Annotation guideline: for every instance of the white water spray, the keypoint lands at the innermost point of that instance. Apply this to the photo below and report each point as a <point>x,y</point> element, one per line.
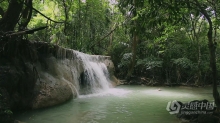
<point>95,75</point>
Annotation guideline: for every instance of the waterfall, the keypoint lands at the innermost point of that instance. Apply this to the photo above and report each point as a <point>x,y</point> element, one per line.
<point>64,73</point>
<point>95,76</point>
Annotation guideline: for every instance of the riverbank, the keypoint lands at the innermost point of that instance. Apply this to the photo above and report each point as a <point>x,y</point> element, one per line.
<point>152,82</point>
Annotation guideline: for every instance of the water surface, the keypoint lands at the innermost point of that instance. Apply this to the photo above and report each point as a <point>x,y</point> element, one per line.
<point>123,104</point>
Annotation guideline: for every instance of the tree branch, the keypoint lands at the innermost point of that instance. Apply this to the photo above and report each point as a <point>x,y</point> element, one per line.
<point>66,15</point>
<point>30,31</point>
<point>43,14</point>
<point>108,34</point>
<point>105,35</point>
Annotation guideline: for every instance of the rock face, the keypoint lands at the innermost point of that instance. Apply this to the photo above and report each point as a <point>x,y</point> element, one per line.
<point>111,69</point>
<point>54,85</point>
<point>48,76</point>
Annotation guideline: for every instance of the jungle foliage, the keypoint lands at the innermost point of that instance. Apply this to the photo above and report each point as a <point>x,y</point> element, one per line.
<point>160,41</point>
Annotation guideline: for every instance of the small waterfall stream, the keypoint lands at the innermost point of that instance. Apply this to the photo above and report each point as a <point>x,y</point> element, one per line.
<point>95,75</point>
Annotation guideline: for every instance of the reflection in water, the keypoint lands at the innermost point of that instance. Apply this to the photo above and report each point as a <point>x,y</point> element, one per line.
<point>124,104</point>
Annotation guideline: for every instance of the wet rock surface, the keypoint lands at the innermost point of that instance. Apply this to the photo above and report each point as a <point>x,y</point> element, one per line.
<point>37,75</point>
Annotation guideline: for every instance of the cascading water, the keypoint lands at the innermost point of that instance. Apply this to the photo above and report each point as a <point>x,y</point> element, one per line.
<point>95,76</point>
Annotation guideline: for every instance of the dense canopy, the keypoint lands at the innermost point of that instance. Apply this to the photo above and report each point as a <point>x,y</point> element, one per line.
<point>160,41</point>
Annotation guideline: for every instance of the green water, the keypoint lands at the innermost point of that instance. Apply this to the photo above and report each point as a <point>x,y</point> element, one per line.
<point>123,104</point>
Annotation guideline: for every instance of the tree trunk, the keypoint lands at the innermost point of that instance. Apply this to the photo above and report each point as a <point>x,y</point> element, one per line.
<point>134,44</point>
<point>134,53</point>
<point>212,49</point>
<point>11,16</point>
<point>26,15</point>
<point>195,38</point>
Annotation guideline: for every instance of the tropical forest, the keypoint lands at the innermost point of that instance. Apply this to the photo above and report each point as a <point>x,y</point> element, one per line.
<point>109,61</point>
